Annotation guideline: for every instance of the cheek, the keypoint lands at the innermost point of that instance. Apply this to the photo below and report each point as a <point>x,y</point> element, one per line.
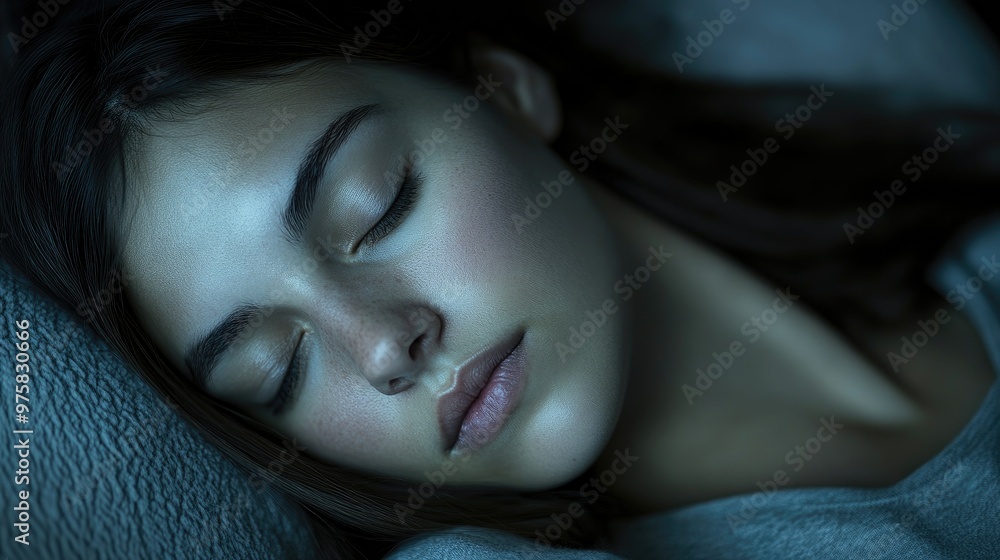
<point>467,240</point>
<point>479,223</point>
<point>497,185</point>
<point>350,425</point>
<point>490,234</point>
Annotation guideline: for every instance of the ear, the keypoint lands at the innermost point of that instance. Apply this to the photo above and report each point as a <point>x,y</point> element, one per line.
<point>526,92</point>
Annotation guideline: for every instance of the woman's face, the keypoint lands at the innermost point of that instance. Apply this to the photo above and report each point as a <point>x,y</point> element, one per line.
<point>380,308</point>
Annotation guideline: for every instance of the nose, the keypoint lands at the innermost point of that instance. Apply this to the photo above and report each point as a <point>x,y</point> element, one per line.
<point>398,347</point>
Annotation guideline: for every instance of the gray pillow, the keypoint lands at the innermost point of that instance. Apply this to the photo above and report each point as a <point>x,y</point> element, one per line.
<point>112,471</point>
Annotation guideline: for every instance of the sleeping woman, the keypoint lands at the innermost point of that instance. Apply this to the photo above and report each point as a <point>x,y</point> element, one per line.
<point>483,274</point>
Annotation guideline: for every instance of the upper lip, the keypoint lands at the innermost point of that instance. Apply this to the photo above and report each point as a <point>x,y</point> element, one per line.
<point>470,379</point>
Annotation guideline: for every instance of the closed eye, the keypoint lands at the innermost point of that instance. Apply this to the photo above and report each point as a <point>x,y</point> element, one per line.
<point>406,196</point>
<point>289,382</point>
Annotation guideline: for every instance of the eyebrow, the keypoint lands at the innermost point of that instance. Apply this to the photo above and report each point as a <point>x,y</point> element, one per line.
<point>202,357</point>
<point>313,168</point>
<point>205,354</point>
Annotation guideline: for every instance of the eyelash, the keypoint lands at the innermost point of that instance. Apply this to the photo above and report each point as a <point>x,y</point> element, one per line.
<point>289,382</point>
<point>400,207</point>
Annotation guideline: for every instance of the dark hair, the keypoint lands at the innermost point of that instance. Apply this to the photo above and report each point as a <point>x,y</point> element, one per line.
<point>804,218</point>
<point>87,81</point>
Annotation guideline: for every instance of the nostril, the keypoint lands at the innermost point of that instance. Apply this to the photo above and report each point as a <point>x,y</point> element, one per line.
<point>416,345</point>
<point>398,385</point>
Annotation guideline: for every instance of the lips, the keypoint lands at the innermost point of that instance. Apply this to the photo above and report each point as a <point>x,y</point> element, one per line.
<point>487,388</point>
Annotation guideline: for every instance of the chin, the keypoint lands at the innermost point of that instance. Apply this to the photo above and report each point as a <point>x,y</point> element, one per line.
<point>570,429</point>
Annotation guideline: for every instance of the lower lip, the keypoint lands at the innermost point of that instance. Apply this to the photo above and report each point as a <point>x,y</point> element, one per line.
<point>489,412</point>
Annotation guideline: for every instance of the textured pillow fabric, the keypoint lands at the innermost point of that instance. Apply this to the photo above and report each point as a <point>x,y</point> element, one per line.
<point>113,472</point>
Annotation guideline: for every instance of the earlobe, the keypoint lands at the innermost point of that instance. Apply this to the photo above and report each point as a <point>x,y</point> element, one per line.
<point>526,92</point>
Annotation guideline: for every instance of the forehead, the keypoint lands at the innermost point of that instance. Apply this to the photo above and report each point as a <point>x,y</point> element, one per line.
<point>196,182</point>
